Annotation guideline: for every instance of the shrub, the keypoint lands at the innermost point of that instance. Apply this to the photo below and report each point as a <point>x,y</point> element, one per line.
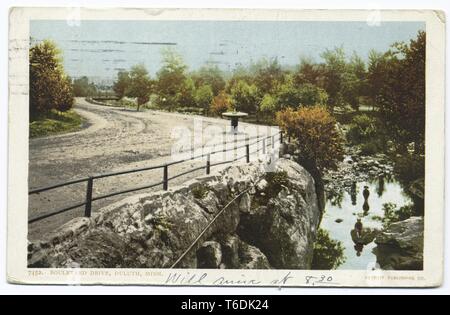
<point>362,129</point>
<point>319,141</point>
<point>328,253</point>
<point>220,104</point>
<point>393,214</point>
<point>409,167</point>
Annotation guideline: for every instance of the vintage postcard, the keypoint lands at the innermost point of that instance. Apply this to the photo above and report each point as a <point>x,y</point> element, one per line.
<point>277,148</point>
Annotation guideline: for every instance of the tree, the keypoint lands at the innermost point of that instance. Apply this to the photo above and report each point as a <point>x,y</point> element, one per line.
<point>50,87</point>
<point>354,81</point>
<point>287,94</point>
<point>245,97</point>
<point>172,84</point>
<point>310,72</point>
<point>334,71</point>
<point>267,74</point>
<point>269,104</point>
<point>210,75</point>
<point>397,80</point>
<point>139,85</point>
<point>204,96</point>
<point>220,104</point>
<point>320,144</point>
<point>290,94</point>
<point>122,84</point>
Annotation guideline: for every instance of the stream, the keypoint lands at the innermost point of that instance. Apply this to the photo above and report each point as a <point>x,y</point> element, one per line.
<point>346,209</point>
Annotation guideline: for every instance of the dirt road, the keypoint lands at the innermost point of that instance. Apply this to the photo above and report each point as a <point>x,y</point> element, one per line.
<point>114,139</point>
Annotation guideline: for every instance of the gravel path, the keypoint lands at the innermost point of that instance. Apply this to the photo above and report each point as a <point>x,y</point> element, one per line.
<point>114,139</point>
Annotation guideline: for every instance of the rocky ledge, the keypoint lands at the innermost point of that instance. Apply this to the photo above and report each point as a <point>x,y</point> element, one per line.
<point>270,222</point>
<point>400,246</point>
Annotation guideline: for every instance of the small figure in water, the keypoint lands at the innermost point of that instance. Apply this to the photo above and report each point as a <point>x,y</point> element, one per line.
<point>380,190</point>
<point>366,192</point>
<point>353,193</point>
<point>366,208</point>
<point>359,248</point>
<point>359,228</point>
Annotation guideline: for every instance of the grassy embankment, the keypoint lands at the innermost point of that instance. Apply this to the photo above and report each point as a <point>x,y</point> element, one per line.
<point>56,122</point>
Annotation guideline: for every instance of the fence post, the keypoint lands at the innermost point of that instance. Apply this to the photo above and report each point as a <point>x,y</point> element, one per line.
<point>264,146</point>
<point>166,177</point>
<point>281,137</point>
<point>208,164</point>
<point>273,142</point>
<point>247,146</point>
<point>90,186</point>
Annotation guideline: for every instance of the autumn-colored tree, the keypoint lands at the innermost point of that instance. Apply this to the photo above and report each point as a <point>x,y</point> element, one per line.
<point>50,87</point>
<point>320,144</point>
<point>220,104</point>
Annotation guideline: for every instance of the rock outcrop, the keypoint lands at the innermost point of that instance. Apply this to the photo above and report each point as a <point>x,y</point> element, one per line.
<point>400,246</point>
<point>269,221</point>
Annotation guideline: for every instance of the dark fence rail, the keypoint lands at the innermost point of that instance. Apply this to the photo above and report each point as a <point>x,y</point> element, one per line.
<point>165,167</point>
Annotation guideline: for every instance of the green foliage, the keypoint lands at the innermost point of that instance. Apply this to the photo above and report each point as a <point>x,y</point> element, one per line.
<point>204,96</point>
<point>210,75</point>
<point>275,183</point>
<point>317,137</point>
<point>122,84</point>
<point>82,87</point>
<point>269,104</point>
<point>362,129</point>
<point>334,72</point>
<point>397,84</point>
<point>139,85</point>
<point>409,167</point>
<point>328,253</point>
<point>245,97</point>
<point>55,122</point>
<point>267,75</point>
<point>367,132</point>
<point>291,94</point>
<point>50,87</point>
<point>393,214</point>
<point>173,88</point>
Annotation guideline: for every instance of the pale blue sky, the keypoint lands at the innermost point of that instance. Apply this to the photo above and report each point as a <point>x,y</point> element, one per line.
<point>101,48</point>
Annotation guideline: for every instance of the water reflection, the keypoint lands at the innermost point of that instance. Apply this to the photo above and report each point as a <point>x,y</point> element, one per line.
<point>353,193</point>
<point>358,211</point>
<point>366,208</point>
<point>380,189</point>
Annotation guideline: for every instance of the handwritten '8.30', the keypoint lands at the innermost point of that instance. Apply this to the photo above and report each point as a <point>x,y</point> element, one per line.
<point>321,280</point>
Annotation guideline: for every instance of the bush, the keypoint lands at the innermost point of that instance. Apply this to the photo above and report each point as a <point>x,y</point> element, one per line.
<point>319,141</point>
<point>362,129</point>
<point>409,167</point>
<point>328,253</point>
<point>220,104</point>
<point>392,214</point>
<point>55,123</point>
<point>370,148</point>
